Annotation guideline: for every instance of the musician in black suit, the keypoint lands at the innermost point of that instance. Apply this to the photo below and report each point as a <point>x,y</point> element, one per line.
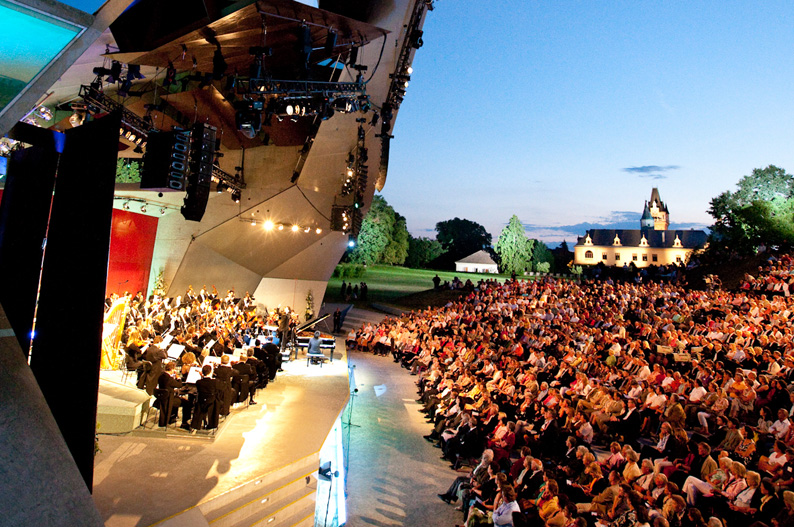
<point>260,367</point>
<point>171,384</point>
<point>223,375</point>
<point>268,356</point>
<point>153,366</point>
<point>246,379</point>
<point>206,400</point>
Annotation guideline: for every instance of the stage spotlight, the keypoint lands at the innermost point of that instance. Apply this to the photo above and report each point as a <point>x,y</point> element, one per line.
<point>409,70</point>
<point>253,222</point>
<point>236,196</point>
<point>44,112</point>
<point>318,230</point>
<point>170,75</point>
<point>295,228</point>
<point>269,225</point>
<point>221,187</point>
<point>280,227</point>
<point>143,207</point>
<point>351,242</point>
<point>307,229</point>
<point>126,205</point>
<point>290,109</point>
<point>162,211</point>
<point>349,172</point>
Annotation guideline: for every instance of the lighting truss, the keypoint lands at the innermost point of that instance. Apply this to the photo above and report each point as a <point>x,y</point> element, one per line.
<point>253,87</point>
<point>99,102</point>
<point>231,182</point>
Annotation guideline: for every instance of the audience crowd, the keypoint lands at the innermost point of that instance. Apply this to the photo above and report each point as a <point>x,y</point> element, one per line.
<point>608,403</point>
<point>202,324</point>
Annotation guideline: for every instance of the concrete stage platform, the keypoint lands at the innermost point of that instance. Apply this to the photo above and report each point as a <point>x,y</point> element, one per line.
<point>258,467</point>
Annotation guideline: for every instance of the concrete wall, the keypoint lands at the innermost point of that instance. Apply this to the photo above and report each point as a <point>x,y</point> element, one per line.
<point>42,485</point>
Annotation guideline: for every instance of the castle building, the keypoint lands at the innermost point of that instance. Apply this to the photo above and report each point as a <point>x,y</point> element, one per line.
<point>652,244</point>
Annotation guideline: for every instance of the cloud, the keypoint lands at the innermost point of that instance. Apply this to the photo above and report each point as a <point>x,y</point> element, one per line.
<point>651,171</point>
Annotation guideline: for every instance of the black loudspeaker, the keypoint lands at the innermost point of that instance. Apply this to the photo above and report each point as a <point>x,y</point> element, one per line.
<point>66,348</point>
<point>23,226</point>
<point>166,164</point>
<point>199,179</point>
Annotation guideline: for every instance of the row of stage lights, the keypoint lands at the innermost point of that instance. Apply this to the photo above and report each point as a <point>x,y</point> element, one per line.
<point>142,204</point>
<point>270,225</point>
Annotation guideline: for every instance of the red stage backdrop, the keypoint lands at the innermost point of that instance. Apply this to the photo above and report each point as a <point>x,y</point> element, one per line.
<point>131,246</point>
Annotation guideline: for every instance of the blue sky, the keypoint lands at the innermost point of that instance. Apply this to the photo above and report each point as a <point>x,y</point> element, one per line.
<point>568,113</point>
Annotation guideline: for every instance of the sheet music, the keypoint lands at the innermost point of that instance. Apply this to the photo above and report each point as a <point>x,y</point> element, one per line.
<point>211,360</point>
<point>167,340</point>
<point>210,344</point>
<point>194,375</point>
<point>175,351</point>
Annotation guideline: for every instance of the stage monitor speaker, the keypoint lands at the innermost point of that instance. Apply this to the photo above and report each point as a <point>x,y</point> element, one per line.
<point>202,156</point>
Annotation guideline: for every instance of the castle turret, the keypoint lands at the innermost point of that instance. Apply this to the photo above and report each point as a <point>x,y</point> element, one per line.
<point>658,211</point>
<point>646,222</point>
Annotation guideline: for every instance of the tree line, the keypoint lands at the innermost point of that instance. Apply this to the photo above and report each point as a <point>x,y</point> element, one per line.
<point>384,239</point>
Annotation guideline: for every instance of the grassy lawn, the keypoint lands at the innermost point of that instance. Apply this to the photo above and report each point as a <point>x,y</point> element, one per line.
<point>387,284</point>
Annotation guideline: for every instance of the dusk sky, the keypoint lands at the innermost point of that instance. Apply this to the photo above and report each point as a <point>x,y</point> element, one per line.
<point>569,113</point>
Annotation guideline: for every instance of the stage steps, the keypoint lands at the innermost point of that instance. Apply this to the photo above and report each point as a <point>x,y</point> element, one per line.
<point>357,317</point>
<point>283,497</point>
<point>120,408</point>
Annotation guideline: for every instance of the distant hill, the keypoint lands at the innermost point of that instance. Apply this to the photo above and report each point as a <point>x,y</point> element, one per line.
<point>9,88</point>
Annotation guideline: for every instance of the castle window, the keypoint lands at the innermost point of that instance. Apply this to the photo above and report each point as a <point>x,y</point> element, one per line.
<point>617,257</point>
<point>655,258</point>
<point>616,241</point>
<point>643,242</point>
<point>634,257</point>
<point>603,256</point>
<point>678,259</point>
<point>677,242</point>
<point>644,257</point>
<point>588,254</point>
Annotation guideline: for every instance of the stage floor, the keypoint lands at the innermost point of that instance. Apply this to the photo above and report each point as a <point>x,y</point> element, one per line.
<point>139,481</point>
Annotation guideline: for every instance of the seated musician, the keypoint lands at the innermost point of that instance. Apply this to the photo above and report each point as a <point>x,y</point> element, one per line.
<point>206,400</point>
<point>245,380</point>
<point>223,374</point>
<point>260,369</point>
<point>188,360</point>
<point>170,383</point>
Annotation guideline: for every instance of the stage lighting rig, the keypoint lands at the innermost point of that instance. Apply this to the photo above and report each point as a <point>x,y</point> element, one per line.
<point>97,102</point>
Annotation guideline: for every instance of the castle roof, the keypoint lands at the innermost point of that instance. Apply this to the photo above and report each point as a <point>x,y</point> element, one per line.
<point>690,239</point>
<point>657,200</point>
<point>646,213</point>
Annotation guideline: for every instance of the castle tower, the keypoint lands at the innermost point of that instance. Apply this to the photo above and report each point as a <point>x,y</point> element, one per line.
<point>646,222</point>
<point>658,211</point>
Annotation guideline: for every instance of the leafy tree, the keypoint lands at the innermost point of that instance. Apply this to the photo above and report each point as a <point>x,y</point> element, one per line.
<point>514,248</point>
<point>758,212</point>
<point>540,255</point>
<point>127,171</point>
<point>396,251</point>
<point>375,233</point>
<point>422,251</point>
<point>461,237</point>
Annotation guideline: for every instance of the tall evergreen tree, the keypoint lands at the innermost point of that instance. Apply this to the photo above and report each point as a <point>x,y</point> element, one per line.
<point>514,248</point>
